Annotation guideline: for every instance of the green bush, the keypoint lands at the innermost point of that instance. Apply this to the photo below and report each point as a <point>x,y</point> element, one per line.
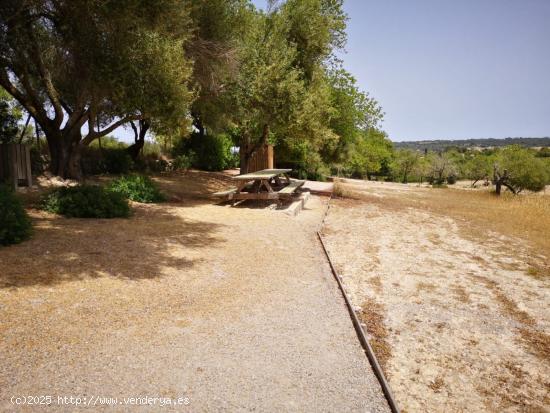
<point>212,152</point>
<point>184,162</point>
<point>86,201</point>
<point>15,225</point>
<point>92,161</point>
<point>138,188</point>
<point>117,161</point>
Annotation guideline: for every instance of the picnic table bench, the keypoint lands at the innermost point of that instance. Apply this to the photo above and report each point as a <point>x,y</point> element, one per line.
<point>272,184</point>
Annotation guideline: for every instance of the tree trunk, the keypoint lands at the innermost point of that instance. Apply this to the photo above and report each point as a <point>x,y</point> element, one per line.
<point>244,155</point>
<point>498,187</point>
<point>139,141</point>
<point>65,154</point>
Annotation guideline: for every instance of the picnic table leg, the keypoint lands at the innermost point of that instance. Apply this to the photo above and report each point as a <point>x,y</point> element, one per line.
<point>240,187</point>
<point>256,187</point>
<point>287,178</point>
<point>265,183</point>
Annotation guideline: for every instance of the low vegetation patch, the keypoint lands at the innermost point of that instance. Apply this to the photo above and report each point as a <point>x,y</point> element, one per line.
<point>15,225</point>
<point>372,315</point>
<point>86,201</point>
<point>138,188</point>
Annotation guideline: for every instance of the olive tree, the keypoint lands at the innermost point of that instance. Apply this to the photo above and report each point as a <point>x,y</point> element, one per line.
<point>404,164</point>
<point>281,92</point>
<point>478,167</point>
<point>82,68</point>
<point>518,169</point>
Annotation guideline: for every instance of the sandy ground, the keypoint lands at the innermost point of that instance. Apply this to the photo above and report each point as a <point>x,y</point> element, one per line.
<point>459,323</point>
<point>233,308</point>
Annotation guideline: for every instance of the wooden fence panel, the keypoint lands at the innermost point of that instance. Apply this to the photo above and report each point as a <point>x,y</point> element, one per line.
<point>261,159</point>
<point>15,164</point>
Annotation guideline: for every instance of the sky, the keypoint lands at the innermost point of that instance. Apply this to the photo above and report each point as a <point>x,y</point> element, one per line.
<point>453,69</point>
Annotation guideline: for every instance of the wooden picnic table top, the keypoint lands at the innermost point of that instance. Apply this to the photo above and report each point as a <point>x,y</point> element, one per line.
<point>263,174</point>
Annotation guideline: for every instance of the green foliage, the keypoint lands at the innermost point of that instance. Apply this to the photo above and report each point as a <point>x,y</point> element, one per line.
<point>218,34</point>
<point>353,113</point>
<point>105,62</point>
<point>184,162</point>
<point>15,225</point>
<point>118,161</point>
<point>112,159</point>
<point>477,167</point>
<point>281,93</point>
<point>523,169</point>
<point>9,116</point>
<point>207,152</point>
<point>404,164</point>
<point>137,188</point>
<point>86,201</point>
<point>442,168</point>
<point>369,154</point>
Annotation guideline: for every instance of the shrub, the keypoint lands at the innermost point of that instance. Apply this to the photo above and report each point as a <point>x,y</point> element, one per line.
<point>86,201</point>
<point>184,162</point>
<point>118,161</point>
<point>138,188</point>
<point>212,152</point>
<point>15,225</point>
<point>451,179</point>
<point>92,161</point>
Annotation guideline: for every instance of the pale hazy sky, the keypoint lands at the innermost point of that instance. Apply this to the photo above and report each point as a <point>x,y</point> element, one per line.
<point>453,69</point>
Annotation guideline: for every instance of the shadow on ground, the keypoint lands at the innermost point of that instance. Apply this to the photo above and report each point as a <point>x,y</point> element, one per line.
<point>155,239</point>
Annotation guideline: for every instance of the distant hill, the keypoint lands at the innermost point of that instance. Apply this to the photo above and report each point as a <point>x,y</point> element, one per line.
<point>438,145</point>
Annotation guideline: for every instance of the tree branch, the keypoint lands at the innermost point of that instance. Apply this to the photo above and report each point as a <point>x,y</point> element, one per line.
<point>135,131</point>
<point>46,79</point>
<point>27,102</point>
<point>93,134</point>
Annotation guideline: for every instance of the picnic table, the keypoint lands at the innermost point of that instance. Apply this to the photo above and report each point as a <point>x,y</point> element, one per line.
<point>272,184</point>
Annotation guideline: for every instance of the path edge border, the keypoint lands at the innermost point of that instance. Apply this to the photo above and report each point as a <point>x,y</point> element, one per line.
<point>375,365</point>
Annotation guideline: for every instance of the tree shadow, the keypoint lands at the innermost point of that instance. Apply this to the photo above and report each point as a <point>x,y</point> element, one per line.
<point>195,187</point>
<point>153,243</point>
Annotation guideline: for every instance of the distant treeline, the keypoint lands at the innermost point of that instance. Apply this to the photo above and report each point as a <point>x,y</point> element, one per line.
<point>441,145</point>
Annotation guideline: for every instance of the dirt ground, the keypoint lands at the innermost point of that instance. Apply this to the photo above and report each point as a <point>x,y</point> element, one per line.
<point>457,311</point>
<point>233,308</point>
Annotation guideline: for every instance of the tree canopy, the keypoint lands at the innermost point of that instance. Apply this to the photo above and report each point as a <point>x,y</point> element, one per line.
<point>82,68</point>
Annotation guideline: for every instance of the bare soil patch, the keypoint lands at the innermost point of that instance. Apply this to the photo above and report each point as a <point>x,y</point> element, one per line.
<point>462,297</point>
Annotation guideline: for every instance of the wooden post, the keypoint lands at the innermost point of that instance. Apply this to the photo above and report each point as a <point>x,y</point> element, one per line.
<point>270,162</point>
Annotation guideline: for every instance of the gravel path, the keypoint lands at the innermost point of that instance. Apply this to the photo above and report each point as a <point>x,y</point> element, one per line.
<point>233,308</point>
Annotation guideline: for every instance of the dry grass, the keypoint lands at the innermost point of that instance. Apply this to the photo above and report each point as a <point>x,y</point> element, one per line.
<point>525,216</point>
<point>461,294</point>
<point>372,315</point>
<point>535,340</point>
<point>464,277</point>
